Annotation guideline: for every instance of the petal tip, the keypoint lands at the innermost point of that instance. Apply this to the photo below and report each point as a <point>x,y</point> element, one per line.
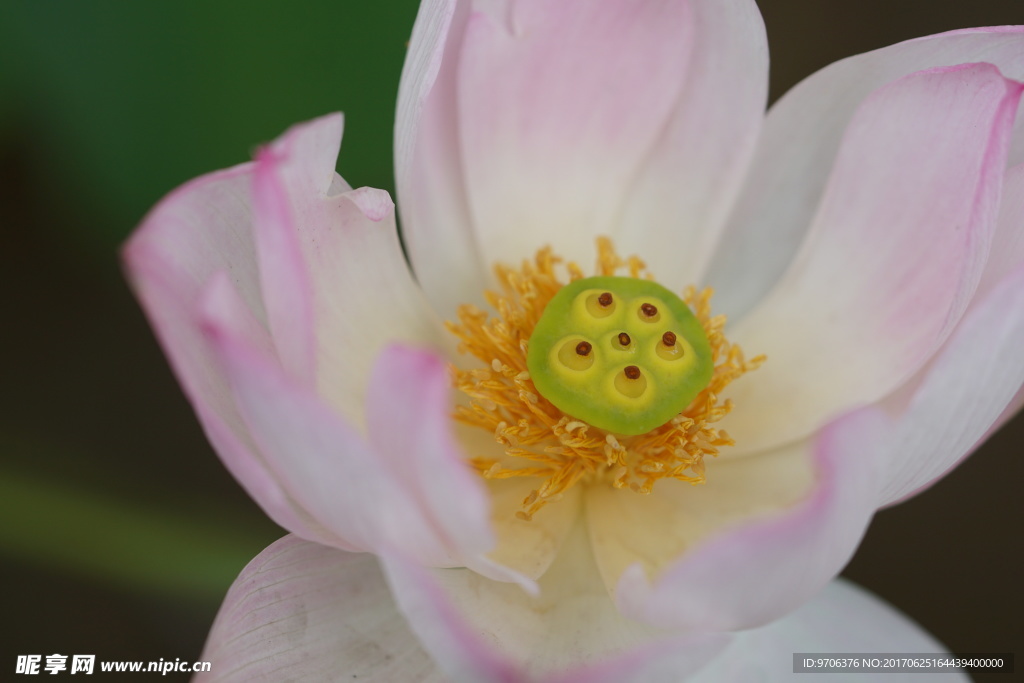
<point>375,204</point>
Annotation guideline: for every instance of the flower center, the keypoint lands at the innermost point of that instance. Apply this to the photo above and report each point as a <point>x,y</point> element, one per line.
<point>607,378</point>
<point>621,354</point>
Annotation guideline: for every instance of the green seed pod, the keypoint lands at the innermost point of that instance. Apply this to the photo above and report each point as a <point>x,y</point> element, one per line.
<point>623,354</point>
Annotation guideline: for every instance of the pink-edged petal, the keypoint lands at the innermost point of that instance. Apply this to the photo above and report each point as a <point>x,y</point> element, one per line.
<point>436,226</point>
<point>1007,253</point>
<point>895,252</point>
<point>284,280</point>
<point>318,459</point>
<point>335,266</point>
<point>677,205</point>
<point>843,618</point>
<point>800,142</point>
<point>763,567</point>
<point>559,106</point>
<point>481,630</point>
<point>303,611</point>
<point>410,428</point>
<point>941,416</point>
<point>656,530</point>
<point>200,229</point>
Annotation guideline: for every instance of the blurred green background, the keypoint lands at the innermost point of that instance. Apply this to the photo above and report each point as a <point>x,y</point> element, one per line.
<point>120,530</point>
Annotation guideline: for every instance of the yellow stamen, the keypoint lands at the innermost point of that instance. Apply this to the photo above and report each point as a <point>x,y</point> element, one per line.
<point>543,442</point>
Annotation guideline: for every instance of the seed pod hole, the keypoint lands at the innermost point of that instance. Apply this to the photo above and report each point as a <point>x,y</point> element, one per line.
<point>631,382</point>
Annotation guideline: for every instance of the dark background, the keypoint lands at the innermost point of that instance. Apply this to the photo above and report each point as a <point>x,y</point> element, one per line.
<point>120,530</point>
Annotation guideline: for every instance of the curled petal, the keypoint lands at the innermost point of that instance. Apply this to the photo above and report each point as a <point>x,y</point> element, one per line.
<point>801,140</point>
<point>410,429</point>
<point>897,249</point>
<point>762,567</point>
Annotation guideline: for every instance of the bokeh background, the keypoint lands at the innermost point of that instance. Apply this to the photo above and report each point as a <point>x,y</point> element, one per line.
<point>120,530</point>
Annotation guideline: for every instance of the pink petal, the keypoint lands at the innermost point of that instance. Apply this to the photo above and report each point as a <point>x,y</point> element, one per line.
<point>800,143</point>
<point>559,105</point>
<point>436,225</point>
<point>843,618</point>
<point>766,565</point>
<point>284,281</point>
<point>897,248</point>
<point>410,428</point>
<point>319,460</point>
<point>481,630</point>
<point>302,611</point>
<point>331,256</point>
<point>198,230</point>
<point>960,395</point>
<point>334,264</point>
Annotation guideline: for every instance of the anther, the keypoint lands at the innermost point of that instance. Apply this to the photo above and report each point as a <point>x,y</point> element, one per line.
<point>583,348</point>
<point>650,310</point>
<point>624,339</point>
<point>668,339</point>
<point>605,299</point>
<point>632,372</point>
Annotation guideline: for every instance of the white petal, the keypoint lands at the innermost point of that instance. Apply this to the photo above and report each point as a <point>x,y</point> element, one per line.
<point>676,208</point>
<point>1007,251</point>
<point>436,225</point>
<point>842,619</point>
<point>558,107</point>
<point>469,623</point>
<point>302,611</point>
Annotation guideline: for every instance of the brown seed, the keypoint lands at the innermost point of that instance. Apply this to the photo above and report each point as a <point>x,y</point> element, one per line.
<point>669,339</point>
<point>650,310</point>
<point>584,348</point>
<point>624,339</point>
<point>605,299</point>
<point>632,372</point>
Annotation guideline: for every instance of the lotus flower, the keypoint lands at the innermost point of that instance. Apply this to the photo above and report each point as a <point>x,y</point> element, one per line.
<point>866,237</point>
